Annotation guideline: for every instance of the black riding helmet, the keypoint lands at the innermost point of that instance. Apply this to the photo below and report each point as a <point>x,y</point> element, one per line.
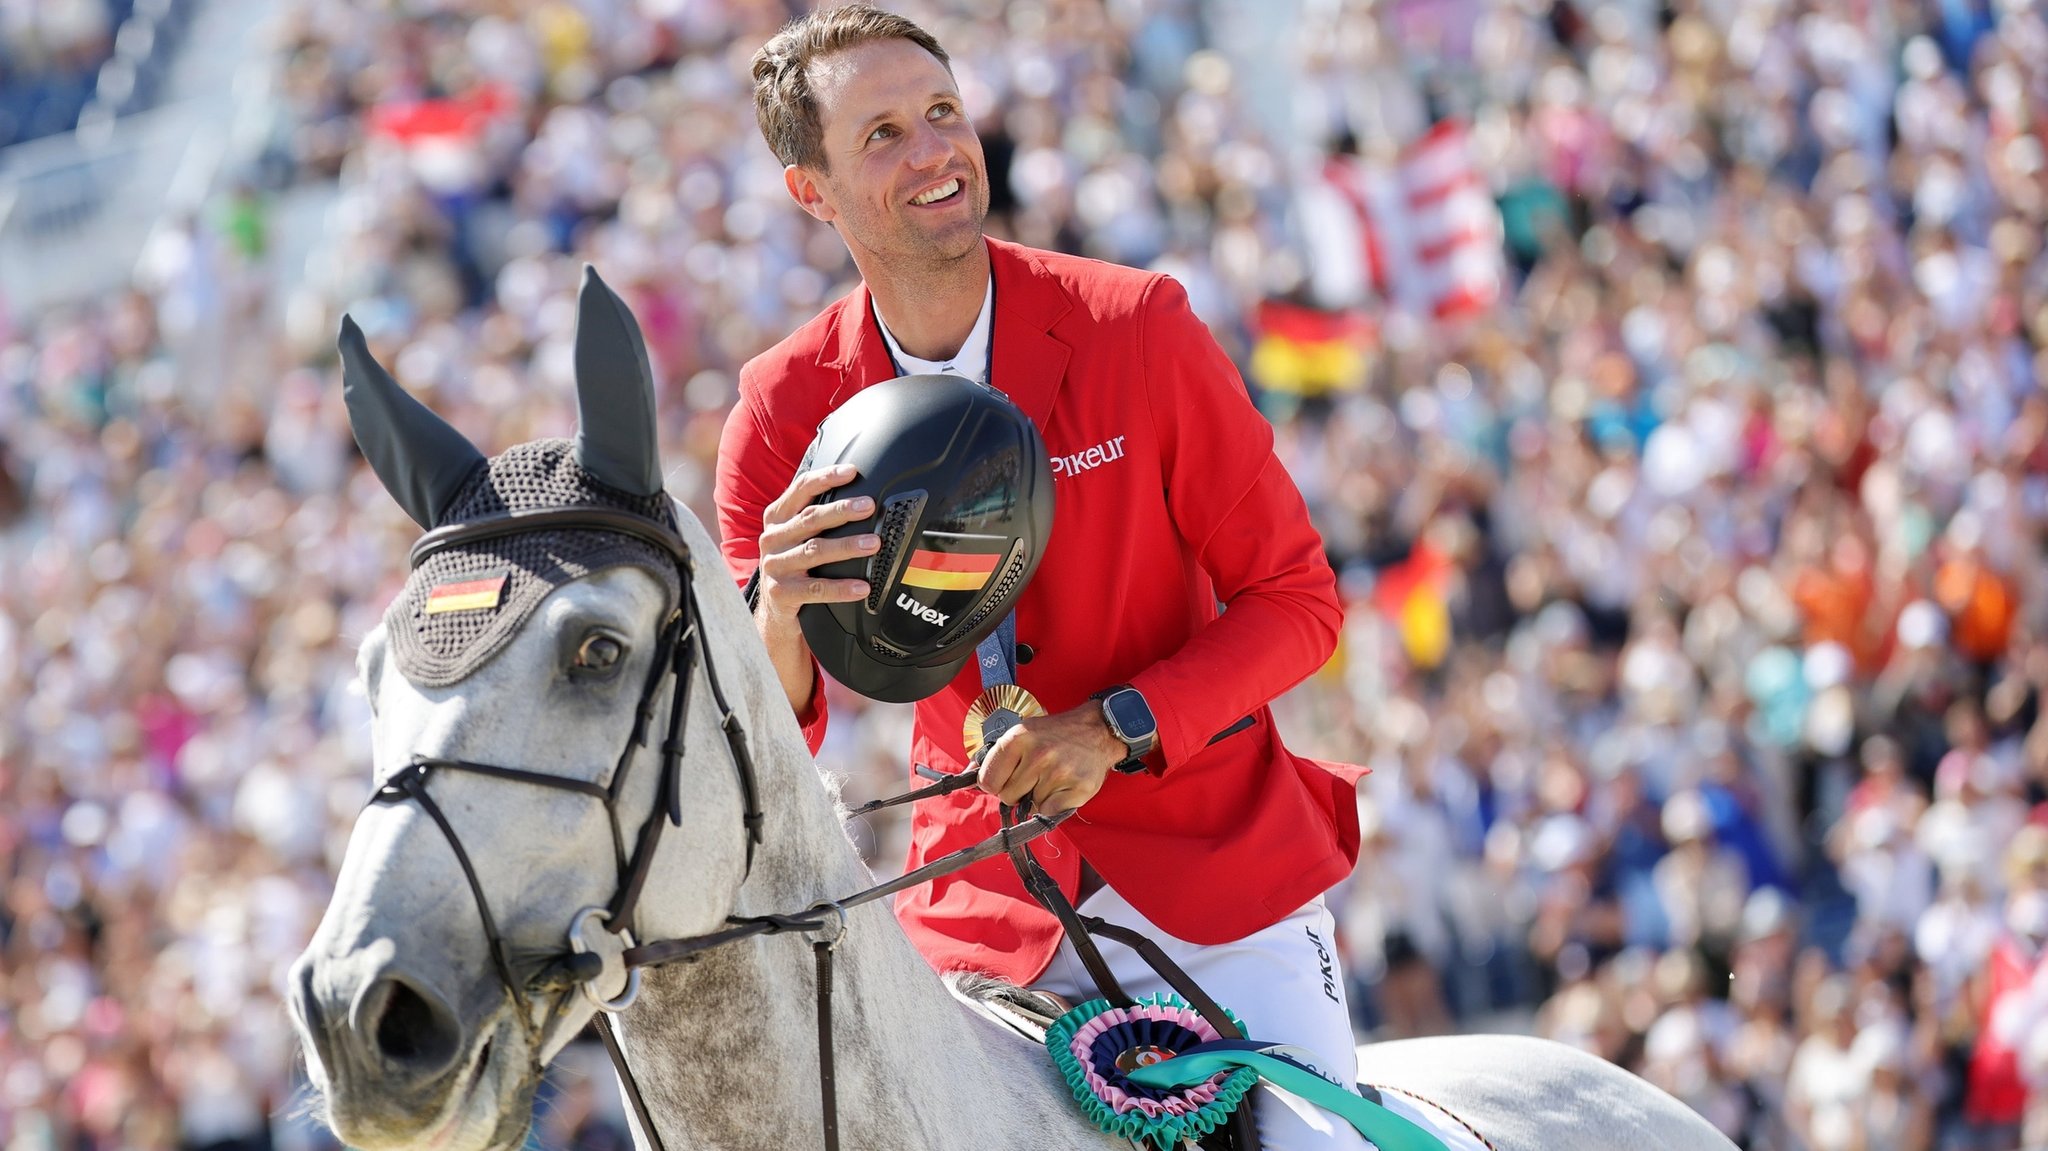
<point>962,486</point>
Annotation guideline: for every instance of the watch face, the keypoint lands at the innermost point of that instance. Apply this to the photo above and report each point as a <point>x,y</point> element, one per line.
<point>1133,718</point>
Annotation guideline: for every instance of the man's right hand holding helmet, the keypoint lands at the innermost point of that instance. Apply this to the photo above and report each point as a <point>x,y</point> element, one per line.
<point>791,546</point>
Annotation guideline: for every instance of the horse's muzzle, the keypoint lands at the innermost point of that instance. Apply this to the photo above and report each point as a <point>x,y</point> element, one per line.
<point>389,1049</point>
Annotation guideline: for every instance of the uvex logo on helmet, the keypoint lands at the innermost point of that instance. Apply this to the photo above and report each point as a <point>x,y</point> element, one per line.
<point>932,616</point>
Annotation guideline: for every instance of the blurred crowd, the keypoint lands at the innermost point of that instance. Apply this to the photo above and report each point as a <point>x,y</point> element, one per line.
<point>1700,604</point>
<point>1695,628</point>
<point>63,62</point>
<point>50,54</point>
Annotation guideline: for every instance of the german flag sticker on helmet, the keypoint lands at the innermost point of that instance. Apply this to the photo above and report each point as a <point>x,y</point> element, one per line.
<point>950,571</point>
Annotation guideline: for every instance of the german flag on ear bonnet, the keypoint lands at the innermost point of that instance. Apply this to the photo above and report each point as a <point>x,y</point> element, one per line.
<point>962,486</point>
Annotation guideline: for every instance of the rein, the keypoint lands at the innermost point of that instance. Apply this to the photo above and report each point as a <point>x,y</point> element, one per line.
<point>680,651</point>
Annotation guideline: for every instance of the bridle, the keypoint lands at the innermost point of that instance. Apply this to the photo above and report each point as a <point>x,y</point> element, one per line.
<point>680,650</point>
<point>677,651</point>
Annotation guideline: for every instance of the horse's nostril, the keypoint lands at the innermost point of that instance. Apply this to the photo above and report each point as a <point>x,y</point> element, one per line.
<point>413,1031</point>
<point>304,999</point>
<point>312,1016</point>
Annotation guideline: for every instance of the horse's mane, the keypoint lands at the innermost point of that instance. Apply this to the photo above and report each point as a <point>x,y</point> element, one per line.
<point>1029,1013</point>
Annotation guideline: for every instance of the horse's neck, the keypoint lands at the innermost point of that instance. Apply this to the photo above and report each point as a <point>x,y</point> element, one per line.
<point>726,1049</point>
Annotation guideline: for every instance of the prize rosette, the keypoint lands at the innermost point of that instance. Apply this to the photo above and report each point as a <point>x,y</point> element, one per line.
<point>1096,1046</point>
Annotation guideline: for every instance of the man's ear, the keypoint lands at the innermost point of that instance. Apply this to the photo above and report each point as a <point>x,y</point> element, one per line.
<point>808,193</point>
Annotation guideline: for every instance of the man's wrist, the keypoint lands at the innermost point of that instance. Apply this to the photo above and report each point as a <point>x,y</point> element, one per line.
<point>790,656</point>
<point>1112,747</point>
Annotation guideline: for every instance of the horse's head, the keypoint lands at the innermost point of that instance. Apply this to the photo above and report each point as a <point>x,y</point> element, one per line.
<point>523,687</point>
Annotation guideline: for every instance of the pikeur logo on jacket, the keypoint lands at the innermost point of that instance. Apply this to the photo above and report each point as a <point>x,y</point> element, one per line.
<point>1081,461</point>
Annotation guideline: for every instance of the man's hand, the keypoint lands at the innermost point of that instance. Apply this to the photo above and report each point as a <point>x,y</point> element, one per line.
<point>790,548</point>
<point>1059,760</point>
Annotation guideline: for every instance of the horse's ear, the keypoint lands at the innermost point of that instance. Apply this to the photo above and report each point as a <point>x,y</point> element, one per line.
<point>421,460</point>
<point>615,438</point>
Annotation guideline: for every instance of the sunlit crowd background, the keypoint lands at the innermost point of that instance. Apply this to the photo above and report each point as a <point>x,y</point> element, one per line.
<point>1697,631</point>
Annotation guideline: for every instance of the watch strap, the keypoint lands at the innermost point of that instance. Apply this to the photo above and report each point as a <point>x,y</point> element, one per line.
<point>752,591</point>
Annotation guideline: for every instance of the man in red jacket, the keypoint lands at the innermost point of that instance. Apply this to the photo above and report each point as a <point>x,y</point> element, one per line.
<point>1169,502</point>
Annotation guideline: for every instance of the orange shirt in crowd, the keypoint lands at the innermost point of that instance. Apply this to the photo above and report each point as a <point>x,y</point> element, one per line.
<point>1834,602</point>
<point>1980,605</point>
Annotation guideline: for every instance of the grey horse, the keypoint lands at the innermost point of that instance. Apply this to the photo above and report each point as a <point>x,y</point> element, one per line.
<point>536,654</point>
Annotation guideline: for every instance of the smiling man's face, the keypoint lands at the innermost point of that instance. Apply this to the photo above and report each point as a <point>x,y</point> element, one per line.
<point>905,179</point>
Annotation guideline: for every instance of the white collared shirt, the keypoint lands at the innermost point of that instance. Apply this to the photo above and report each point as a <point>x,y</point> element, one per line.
<point>970,362</point>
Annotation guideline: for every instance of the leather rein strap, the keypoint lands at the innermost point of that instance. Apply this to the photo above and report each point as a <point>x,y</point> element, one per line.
<point>996,656</point>
<point>1081,930</point>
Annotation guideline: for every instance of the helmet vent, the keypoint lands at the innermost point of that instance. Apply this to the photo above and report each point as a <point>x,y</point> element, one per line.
<point>898,513</point>
<point>998,596</point>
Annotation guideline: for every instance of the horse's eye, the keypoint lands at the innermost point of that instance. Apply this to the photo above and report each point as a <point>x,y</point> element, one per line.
<point>599,653</point>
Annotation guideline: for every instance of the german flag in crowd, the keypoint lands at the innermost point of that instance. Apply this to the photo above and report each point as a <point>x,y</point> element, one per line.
<point>1413,596</point>
<point>1307,352</point>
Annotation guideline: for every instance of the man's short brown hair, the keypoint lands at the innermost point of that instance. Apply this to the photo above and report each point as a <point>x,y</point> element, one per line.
<point>783,101</point>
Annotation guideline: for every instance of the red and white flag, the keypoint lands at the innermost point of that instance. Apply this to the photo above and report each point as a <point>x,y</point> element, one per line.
<point>1427,230</point>
<point>444,138</point>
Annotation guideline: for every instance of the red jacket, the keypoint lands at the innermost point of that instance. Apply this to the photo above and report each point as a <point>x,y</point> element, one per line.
<point>1994,1090</point>
<point>1168,499</point>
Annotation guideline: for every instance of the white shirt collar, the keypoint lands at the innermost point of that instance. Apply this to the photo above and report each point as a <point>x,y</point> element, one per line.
<point>971,361</point>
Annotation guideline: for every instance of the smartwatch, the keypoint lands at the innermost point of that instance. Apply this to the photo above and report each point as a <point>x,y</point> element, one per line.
<point>1130,719</point>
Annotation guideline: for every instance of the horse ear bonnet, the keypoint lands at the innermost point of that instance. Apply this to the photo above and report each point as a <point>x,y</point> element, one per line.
<point>435,648</point>
<point>962,486</point>
<point>466,602</point>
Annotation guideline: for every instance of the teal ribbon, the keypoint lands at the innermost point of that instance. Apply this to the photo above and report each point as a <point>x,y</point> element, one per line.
<point>1388,1130</point>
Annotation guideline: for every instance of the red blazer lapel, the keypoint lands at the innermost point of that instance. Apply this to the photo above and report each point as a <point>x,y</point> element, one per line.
<point>855,348</point>
<point>1027,363</point>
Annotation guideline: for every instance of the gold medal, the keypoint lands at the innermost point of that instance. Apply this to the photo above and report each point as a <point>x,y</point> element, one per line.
<point>996,711</point>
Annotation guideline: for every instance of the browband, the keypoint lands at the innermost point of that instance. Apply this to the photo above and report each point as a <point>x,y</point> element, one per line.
<point>554,519</point>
